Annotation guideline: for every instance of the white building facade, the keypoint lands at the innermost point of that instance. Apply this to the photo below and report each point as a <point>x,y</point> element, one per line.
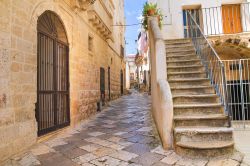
<point>215,17</point>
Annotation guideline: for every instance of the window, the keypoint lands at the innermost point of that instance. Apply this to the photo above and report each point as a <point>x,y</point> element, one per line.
<point>90,43</point>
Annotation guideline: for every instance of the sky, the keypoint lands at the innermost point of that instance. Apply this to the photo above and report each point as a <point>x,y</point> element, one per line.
<point>133,10</point>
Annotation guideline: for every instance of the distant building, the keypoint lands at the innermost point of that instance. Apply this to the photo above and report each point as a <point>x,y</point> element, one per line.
<point>132,68</point>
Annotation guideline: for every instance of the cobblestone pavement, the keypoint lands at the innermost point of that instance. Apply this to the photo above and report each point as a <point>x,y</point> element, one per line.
<point>121,135</point>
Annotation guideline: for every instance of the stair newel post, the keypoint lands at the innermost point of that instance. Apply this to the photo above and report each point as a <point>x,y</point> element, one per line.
<point>224,84</point>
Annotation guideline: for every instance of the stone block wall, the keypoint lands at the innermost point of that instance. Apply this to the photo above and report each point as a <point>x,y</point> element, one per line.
<point>18,68</point>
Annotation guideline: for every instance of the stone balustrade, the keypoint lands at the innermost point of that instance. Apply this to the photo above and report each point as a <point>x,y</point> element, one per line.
<point>162,103</point>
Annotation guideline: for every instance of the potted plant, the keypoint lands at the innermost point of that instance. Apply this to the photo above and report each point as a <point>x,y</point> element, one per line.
<point>150,9</point>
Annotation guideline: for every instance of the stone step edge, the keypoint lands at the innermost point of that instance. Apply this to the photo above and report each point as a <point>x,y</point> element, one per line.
<point>185,106</point>
<point>205,145</point>
<point>177,56</point>
<point>188,80</point>
<point>191,87</point>
<point>169,46</point>
<point>180,51</point>
<point>189,66</point>
<point>186,73</point>
<point>177,42</point>
<point>203,130</point>
<point>183,61</point>
<point>200,117</point>
<point>196,96</point>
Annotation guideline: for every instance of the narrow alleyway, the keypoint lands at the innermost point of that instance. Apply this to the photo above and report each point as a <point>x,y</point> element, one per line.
<point>123,134</point>
<point>120,135</point>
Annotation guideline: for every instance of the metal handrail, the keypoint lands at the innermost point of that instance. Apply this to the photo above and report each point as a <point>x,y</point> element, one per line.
<point>214,66</point>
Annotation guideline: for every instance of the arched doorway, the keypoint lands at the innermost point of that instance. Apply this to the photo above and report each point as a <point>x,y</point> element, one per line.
<point>52,109</point>
<point>121,81</point>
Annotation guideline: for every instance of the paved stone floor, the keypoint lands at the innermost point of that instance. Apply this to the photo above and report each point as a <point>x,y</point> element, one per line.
<point>121,135</point>
<point>242,142</point>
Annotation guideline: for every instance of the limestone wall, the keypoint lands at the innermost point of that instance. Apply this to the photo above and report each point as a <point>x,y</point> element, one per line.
<point>18,66</point>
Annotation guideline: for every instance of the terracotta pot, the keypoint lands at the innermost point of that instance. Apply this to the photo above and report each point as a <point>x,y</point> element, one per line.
<point>151,12</point>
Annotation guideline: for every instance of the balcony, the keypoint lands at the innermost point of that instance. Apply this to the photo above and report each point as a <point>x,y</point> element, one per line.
<point>82,4</point>
<point>99,24</point>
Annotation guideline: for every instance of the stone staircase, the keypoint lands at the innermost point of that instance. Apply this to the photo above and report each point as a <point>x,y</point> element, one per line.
<point>200,125</point>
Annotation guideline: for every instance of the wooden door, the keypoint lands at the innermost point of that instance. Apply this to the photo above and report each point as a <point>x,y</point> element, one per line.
<point>102,85</point>
<point>231,16</point>
<point>109,87</point>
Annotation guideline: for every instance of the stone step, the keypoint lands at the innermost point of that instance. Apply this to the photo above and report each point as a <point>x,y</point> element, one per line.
<point>198,109</point>
<point>199,74</point>
<point>177,41</point>
<point>180,48</point>
<point>188,68</point>
<point>192,90</point>
<point>183,46</point>
<point>196,99</point>
<point>205,149</point>
<point>189,81</point>
<point>182,57</point>
<point>180,51</point>
<point>184,62</point>
<point>213,120</point>
<point>203,134</point>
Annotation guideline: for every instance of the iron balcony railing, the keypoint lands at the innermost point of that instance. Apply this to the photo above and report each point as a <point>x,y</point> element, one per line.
<point>238,90</point>
<point>213,64</point>
<point>225,19</point>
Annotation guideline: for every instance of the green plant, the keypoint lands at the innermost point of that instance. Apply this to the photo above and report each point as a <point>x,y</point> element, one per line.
<point>150,9</point>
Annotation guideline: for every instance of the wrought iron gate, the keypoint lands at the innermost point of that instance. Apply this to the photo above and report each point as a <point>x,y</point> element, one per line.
<point>122,82</point>
<point>102,85</point>
<point>109,81</point>
<point>52,109</point>
<point>238,89</point>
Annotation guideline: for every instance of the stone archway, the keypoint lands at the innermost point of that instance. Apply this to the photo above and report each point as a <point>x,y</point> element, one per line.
<point>53,105</point>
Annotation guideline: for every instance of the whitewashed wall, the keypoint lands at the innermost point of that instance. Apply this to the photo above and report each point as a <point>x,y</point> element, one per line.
<point>172,9</point>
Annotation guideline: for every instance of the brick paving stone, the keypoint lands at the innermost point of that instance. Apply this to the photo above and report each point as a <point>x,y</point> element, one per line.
<point>148,159</point>
<point>117,146</point>
<point>120,133</point>
<point>160,150</point>
<point>55,142</point>
<point>103,151</point>
<point>171,159</point>
<point>123,155</point>
<point>138,148</point>
<point>115,139</point>
<point>29,160</point>
<point>95,134</point>
<point>73,153</point>
<point>160,164</point>
<point>191,162</point>
<point>40,149</point>
<point>84,158</point>
<point>91,147</point>
<point>55,159</point>
<point>98,141</point>
<point>223,162</point>
<point>106,160</point>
